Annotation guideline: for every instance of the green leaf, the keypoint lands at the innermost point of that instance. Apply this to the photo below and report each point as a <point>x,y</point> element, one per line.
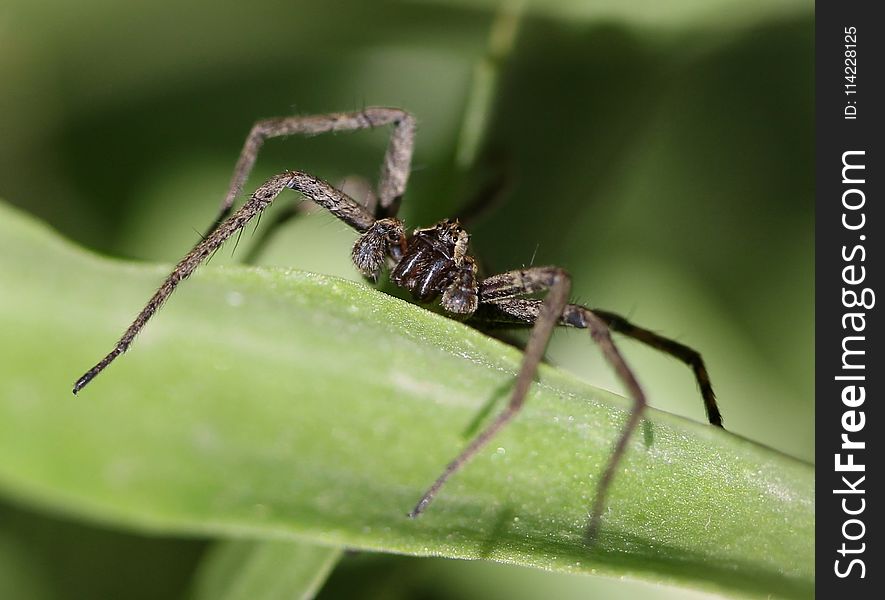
<point>253,570</point>
<point>269,402</point>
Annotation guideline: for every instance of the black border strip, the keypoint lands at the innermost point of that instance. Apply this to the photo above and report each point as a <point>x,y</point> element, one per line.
<point>850,61</point>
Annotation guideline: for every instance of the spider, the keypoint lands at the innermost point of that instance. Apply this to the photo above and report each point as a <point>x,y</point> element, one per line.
<point>433,264</point>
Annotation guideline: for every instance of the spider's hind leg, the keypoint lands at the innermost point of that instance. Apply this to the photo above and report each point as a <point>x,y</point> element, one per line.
<point>501,291</point>
<point>557,284</point>
<point>507,313</point>
<point>686,354</point>
<point>515,313</point>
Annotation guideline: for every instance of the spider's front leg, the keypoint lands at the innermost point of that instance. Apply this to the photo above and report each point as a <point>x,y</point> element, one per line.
<point>358,188</point>
<point>394,169</point>
<point>335,201</point>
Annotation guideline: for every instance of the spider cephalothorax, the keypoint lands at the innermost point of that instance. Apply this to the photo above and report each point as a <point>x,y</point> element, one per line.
<point>436,264</point>
<point>431,263</point>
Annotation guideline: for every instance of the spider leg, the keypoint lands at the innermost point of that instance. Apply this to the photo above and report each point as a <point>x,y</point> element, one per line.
<point>289,212</point>
<point>515,313</point>
<point>557,283</point>
<point>686,354</point>
<point>335,201</point>
<point>394,169</point>
<point>497,295</point>
<point>357,188</point>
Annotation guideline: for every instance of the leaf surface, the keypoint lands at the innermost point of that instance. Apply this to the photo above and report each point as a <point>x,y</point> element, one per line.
<point>269,402</point>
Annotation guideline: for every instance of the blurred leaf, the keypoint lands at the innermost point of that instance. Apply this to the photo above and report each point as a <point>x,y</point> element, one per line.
<point>253,570</point>
<point>42,556</point>
<point>679,13</point>
<point>396,577</point>
<point>20,574</point>
<point>270,402</point>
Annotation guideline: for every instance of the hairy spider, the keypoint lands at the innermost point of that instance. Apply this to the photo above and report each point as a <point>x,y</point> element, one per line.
<point>432,263</point>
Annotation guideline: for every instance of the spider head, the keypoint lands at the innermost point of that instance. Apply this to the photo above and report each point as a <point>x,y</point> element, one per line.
<point>385,237</point>
<point>452,237</point>
<point>447,230</point>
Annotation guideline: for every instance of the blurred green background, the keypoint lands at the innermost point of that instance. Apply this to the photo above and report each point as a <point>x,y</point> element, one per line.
<point>661,152</point>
